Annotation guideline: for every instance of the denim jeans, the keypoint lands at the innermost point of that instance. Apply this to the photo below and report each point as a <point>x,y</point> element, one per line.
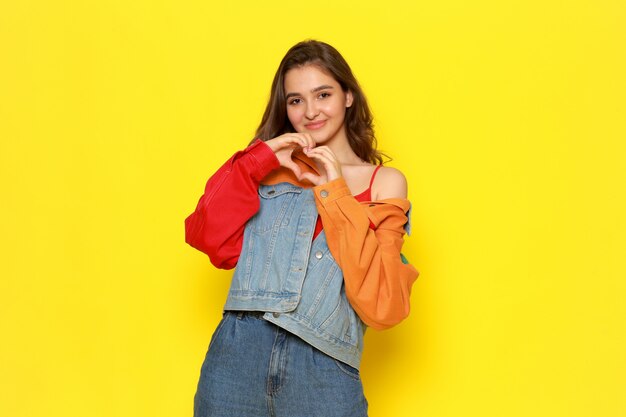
<point>255,368</point>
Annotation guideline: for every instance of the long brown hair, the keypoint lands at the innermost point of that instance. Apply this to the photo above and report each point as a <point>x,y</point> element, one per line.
<point>358,118</point>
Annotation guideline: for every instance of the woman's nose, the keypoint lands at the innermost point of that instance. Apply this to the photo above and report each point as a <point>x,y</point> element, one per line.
<point>311,110</point>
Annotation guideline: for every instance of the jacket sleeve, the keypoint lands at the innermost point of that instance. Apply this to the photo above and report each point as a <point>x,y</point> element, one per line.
<point>365,240</point>
<point>230,199</point>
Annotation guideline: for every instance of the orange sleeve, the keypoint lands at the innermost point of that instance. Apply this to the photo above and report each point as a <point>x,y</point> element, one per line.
<point>377,281</point>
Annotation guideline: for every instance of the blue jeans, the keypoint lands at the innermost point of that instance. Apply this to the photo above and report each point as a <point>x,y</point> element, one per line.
<point>255,368</point>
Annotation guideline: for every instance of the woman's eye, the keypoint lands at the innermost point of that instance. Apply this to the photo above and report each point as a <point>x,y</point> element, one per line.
<point>294,101</point>
<point>324,95</point>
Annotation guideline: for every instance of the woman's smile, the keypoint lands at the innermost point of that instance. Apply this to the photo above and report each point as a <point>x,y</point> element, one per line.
<point>315,125</point>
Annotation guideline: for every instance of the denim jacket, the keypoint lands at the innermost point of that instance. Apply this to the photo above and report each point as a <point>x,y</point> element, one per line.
<point>294,279</point>
<point>254,216</point>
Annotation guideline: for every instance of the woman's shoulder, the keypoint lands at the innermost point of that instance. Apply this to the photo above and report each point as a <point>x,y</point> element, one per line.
<point>389,183</point>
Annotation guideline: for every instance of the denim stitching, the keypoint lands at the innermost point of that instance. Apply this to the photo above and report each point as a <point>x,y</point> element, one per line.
<point>346,371</point>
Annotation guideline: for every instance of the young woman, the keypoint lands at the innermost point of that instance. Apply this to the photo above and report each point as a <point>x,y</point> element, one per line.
<point>314,225</point>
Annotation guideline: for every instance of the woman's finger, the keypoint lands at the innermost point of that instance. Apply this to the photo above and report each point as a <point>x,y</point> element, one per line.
<point>294,139</point>
<point>288,140</point>
<point>324,155</point>
<point>289,164</point>
<point>310,142</point>
<point>332,169</point>
<point>329,161</point>
<point>314,179</point>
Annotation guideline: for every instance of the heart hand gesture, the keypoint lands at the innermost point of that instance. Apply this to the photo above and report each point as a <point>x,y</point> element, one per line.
<point>284,145</point>
<point>330,166</point>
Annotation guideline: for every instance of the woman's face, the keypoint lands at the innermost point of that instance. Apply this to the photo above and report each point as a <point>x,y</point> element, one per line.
<point>316,104</point>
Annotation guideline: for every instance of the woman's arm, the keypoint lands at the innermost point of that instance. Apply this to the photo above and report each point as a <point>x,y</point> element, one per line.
<point>365,240</point>
<point>230,199</point>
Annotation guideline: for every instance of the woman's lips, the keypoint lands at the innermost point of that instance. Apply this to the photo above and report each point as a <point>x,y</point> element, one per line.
<point>315,125</point>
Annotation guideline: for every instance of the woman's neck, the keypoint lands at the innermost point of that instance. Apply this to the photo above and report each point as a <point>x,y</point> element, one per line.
<point>342,150</point>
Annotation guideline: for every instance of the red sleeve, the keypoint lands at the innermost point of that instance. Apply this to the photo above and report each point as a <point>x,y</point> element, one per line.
<point>230,199</point>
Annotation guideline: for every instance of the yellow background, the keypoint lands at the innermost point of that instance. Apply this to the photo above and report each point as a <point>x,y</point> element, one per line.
<point>507,117</point>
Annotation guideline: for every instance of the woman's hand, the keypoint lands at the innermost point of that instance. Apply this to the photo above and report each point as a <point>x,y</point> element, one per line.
<point>331,167</point>
<point>284,145</point>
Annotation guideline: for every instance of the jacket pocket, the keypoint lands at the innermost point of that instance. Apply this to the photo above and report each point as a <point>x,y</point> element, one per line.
<point>276,208</point>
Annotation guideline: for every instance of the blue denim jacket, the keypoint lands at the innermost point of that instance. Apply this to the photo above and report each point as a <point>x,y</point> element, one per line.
<point>294,279</point>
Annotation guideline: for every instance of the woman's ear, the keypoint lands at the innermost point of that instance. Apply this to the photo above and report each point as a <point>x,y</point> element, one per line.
<point>349,98</point>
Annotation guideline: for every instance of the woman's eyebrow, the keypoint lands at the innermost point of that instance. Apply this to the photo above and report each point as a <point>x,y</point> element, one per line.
<point>316,89</point>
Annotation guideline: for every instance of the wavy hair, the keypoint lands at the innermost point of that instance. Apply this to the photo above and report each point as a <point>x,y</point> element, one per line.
<point>358,119</point>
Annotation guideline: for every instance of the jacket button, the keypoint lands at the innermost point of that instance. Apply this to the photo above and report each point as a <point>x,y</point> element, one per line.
<point>275,315</point>
<point>319,254</point>
<point>324,193</point>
